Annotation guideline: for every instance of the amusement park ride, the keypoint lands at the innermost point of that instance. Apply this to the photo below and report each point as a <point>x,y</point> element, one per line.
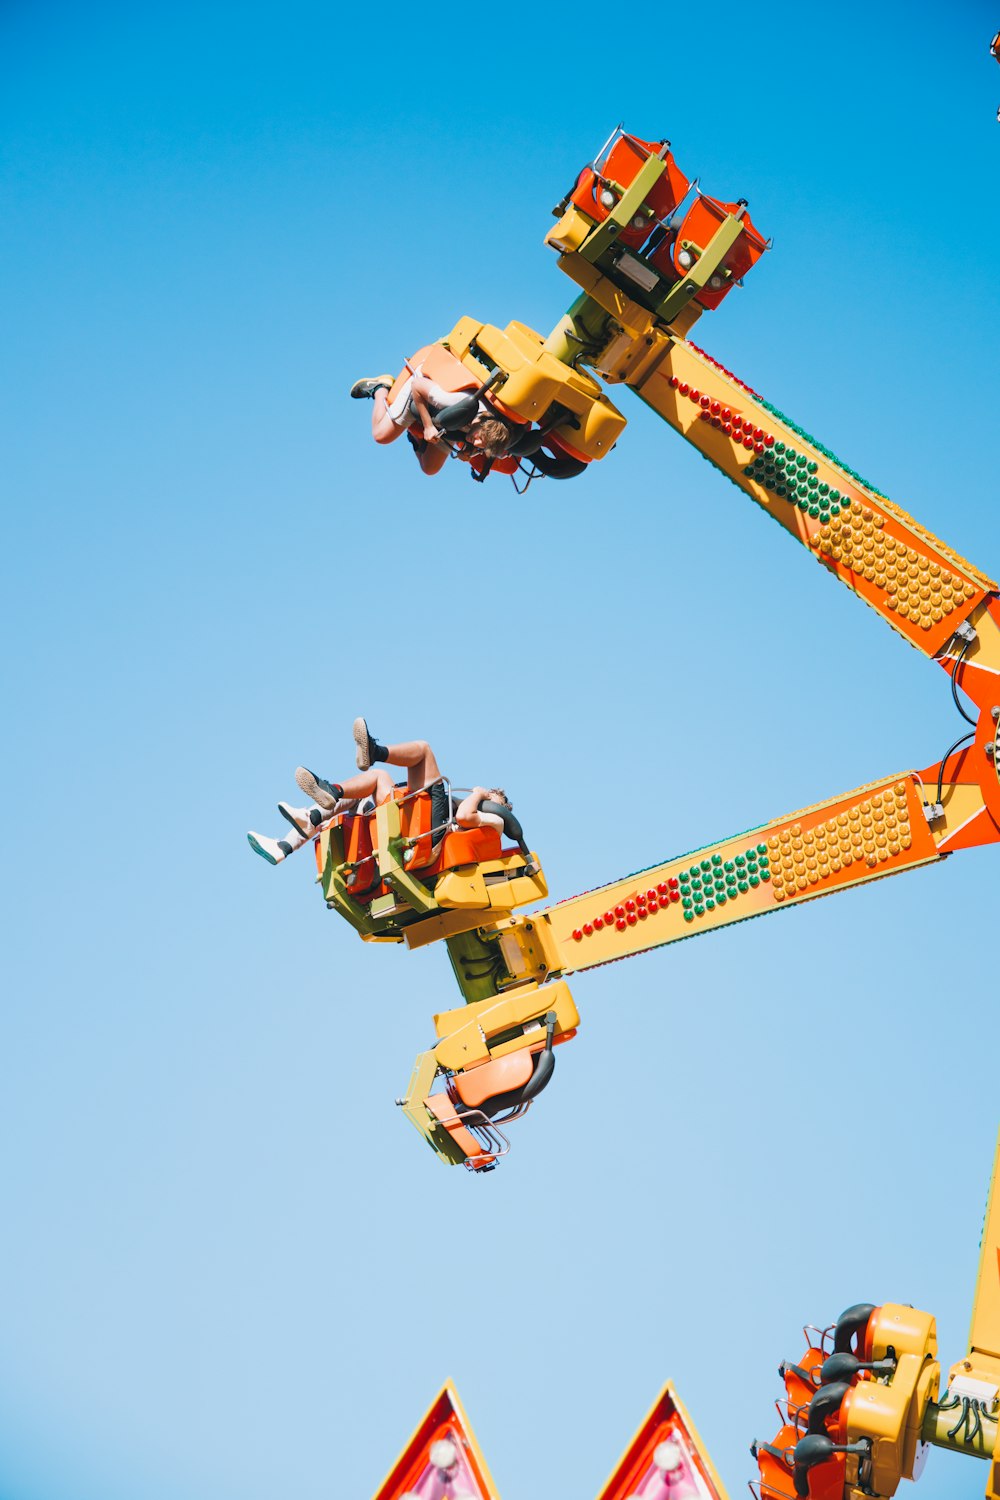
<point>650,253</point>
<point>861,1410</point>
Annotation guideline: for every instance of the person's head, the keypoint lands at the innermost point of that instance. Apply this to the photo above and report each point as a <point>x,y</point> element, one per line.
<point>497,794</point>
<point>489,435</point>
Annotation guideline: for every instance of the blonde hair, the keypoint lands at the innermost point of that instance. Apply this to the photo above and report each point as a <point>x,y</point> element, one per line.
<point>497,794</point>
<point>494,435</point>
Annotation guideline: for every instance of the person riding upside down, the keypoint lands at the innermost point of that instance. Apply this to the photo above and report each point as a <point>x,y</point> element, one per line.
<point>331,798</point>
<point>413,401</point>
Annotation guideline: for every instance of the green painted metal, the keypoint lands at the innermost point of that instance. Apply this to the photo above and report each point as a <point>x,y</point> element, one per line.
<point>604,235</point>
<point>478,964</point>
<point>334,882</point>
<point>433,1132</point>
<point>950,1424</point>
<point>583,327</point>
<point>705,266</point>
<point>338,900</point>
<point>390,862</point>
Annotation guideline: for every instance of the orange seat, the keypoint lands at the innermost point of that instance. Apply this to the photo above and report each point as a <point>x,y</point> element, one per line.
<point>440,365</point>
<point>620,166</point>
<point>802,1379</point>
<point>358,851</point>
<point>484,1082</point>
<point>415,822</point>
<point>464,846</point>
<point>441,1106</point>
<point>698,226</point>
<point>775,1466</point>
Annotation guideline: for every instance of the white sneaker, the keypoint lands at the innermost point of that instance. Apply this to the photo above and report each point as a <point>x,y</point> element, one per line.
<point>362,744</point>
<point>273,850</point>
<point>305,820</point>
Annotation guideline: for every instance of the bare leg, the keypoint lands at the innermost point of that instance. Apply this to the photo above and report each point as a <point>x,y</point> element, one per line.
<point>418,758</point>
<point>375,783</point>
<point>390,419</point>
<point>433,458</point>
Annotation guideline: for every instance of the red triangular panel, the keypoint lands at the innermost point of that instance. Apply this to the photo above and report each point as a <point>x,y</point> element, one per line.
<point>666,1460</point>
<point>442,1460</point>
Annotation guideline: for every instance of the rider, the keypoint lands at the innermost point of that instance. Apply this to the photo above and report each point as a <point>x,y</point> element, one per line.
<point>413,411</point>
<point>329,798</point>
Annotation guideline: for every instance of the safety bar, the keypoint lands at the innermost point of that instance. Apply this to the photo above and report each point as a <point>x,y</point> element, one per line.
<point>483,1128</point>
<point>410,840</point>
<point>754,1486</point>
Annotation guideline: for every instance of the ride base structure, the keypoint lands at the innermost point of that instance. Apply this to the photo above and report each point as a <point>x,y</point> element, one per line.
<point>651,253</point>
<point>861,1410</point>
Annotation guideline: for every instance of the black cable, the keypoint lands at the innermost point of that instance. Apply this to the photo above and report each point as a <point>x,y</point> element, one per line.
<point>954,686</point>
<point>944,762</point>
<point>962,1419</point>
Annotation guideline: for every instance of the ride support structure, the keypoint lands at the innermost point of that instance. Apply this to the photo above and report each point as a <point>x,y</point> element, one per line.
<point>862,1406</point>
<point>650,253</point>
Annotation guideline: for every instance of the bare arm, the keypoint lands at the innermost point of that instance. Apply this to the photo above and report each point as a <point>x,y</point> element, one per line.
<point>424,393</point>
<point>469,816</point>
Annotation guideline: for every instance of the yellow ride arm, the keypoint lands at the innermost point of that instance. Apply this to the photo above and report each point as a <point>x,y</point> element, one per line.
<point>875,830</point>
<point>909,576</point>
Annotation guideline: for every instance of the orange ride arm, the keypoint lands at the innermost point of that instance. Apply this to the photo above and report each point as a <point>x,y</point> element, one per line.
<point>876,830</point>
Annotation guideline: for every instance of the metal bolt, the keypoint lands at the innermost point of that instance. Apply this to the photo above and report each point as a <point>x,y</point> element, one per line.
<point>995,712</point>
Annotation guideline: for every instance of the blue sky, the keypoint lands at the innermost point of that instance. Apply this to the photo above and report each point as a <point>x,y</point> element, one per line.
<point>228,1267</point>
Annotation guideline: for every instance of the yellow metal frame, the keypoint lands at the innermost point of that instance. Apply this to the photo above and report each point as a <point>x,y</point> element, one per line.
<point>535,379</point>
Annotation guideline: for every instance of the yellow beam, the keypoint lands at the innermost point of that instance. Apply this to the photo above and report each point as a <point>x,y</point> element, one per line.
<point>908,575</point>
<point>983,1359</point>
<point>875,830</point>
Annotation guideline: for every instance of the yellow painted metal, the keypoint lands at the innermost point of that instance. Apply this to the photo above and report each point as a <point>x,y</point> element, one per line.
<point>917,582</point>
<point>875,830</point>
<point>390,852</point>
<point>908,575</point>
<point>570,232</point>
<point>529,949</point>
<point>697,1440</point>
<point>535,379</point>
<point>631,318</point>
<point>891,1415</point>
<point>471,1441</point>
<point>443,924</point>
<point>421,1080</point>
<point>493,885</point>
<point>983,1359</point>
<point>474,1033</point>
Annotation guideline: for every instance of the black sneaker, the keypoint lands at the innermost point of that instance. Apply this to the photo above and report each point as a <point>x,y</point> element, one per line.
<point>326,793</point>
<point>440,810</point>
<point>365,389</point>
